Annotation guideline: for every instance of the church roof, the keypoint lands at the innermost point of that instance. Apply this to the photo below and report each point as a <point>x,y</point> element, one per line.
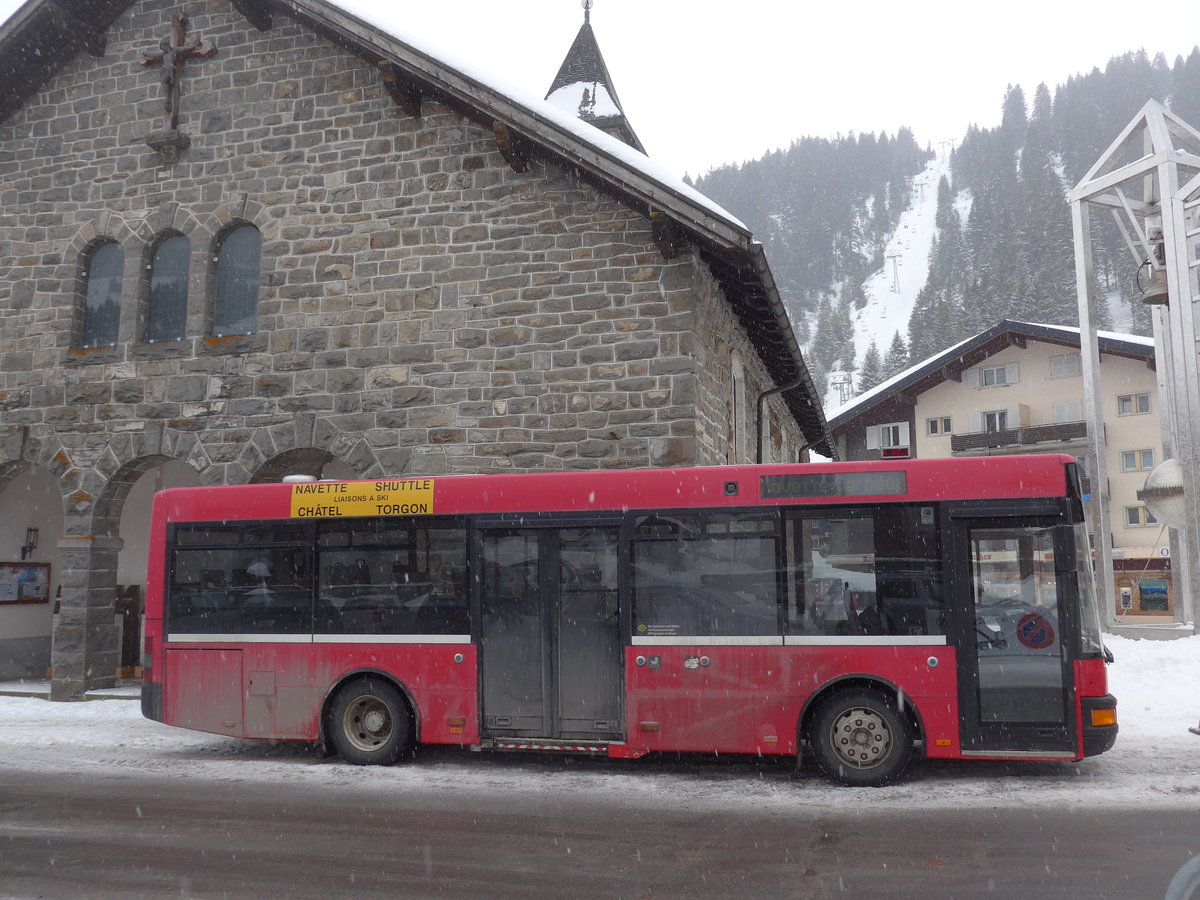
<point>584,87</point>
<point>42,36</point>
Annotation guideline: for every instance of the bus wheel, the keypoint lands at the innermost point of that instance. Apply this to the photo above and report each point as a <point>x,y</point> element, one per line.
<point>860,738</point>
<point>369,723</point>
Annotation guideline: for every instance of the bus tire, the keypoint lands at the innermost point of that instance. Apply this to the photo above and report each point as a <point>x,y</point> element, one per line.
<point>370,723</point>
<point>860,738</point>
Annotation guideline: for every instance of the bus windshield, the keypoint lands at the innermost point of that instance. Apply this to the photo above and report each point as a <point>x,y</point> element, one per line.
<point>1090,626</point>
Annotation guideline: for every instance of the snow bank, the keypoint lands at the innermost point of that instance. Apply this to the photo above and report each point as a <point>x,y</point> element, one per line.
<point>1156,762</point>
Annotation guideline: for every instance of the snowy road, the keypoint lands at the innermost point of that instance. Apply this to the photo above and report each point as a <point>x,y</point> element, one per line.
<point>63,766</point>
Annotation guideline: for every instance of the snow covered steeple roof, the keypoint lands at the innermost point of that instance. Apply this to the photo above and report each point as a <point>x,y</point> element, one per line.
<point>583,86</point>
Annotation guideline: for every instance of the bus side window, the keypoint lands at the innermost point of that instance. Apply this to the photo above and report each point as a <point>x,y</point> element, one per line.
<point>855,574</point>
<point>392,576</point>
<point>718,579</point>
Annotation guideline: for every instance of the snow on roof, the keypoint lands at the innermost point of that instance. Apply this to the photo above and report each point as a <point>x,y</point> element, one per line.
<point>386,22</point>
<point>883,388</point>
<point>1073,331</point>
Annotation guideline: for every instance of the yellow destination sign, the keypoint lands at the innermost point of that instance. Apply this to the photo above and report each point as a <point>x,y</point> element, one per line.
<point>321,499</point>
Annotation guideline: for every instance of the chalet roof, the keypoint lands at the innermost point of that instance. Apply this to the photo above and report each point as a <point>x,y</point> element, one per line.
<point>43,35</point>
<point>584,87</point>
<point>953,361</point>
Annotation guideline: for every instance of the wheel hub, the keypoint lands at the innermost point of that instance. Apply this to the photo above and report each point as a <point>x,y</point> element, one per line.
<point>369,723</point>
<point>861,738</point>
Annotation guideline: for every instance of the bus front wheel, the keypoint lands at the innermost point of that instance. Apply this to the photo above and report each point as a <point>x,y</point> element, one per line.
<point>369,723</point>
<point>860,738</point>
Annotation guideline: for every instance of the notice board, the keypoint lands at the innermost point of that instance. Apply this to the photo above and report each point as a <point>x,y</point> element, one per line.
<point>22,582</point>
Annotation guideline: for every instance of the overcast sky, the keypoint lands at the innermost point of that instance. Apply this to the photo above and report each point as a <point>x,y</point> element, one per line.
<point>708,82</point>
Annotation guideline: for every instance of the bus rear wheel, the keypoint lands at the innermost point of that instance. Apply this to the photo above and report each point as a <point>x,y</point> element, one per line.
<point>370,723</point>
<point>860,738</point>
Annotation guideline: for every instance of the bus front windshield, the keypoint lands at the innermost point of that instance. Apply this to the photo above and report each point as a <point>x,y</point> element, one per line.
<point>1090,627</point>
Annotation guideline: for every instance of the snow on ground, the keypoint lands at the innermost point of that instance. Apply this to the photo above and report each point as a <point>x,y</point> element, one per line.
<point>1156,761</point>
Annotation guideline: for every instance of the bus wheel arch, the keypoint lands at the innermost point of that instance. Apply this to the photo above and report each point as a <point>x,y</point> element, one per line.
<point>369,718</point>
<point>860,731</point>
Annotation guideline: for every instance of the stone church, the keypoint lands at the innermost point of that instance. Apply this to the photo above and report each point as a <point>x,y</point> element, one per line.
<point>246,238</point>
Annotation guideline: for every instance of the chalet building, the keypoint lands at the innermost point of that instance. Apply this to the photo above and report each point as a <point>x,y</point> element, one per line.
<point>1018,388</point>
<point>246,238</point>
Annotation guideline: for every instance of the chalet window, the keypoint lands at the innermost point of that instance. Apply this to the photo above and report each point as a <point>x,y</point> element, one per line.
<point>1064,366</point>
<point>996,420</point>
<point>1068,411</point>
<point>166,312</point>
<point>104,267</point>
<point>938,425</point>
<point>1133,404</point>
<point>891,440</point>
<point>1135,460</point>
<point>238,262</point>
<point>993,376</point>
<point>1136,516</point>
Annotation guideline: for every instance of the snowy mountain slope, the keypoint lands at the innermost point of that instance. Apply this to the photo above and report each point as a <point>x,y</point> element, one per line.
<point>892,291</point>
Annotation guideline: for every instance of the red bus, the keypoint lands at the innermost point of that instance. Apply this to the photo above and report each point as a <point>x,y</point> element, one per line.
<point>863,611</point>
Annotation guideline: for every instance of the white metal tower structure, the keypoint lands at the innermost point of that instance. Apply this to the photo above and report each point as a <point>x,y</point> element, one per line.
<point>1149,180</point>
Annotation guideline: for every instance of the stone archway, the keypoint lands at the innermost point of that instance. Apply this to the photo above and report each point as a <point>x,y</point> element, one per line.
<point>85,651</point>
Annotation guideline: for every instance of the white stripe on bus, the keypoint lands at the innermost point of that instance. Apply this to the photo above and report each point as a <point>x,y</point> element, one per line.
<point>872,640</point>
<point>678,640</point>
<point>817,640</point>
<point>391,639</point>
<point>319,638</point>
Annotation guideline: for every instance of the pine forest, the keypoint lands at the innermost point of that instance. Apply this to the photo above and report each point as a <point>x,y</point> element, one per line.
<point>825,208</point>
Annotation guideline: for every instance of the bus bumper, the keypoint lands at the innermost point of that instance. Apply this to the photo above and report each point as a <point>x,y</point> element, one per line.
<point>152,701</point>
<point>1099,724</point>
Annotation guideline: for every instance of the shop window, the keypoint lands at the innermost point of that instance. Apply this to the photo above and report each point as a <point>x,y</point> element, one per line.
<point>1152,595</point>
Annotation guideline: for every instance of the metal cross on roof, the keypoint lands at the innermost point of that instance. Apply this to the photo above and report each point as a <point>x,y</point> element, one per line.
<point>172,53</point>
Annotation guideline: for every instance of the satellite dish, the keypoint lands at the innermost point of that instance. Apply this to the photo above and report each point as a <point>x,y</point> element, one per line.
<point>1163,493</point>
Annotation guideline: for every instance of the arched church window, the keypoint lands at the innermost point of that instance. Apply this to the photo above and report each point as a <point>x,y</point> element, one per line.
<point>235,299</point>
<point>103,269</point>
<point>166,312</point>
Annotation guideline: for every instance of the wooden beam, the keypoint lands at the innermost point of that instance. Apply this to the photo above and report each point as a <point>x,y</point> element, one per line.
<point>1016,340</point>
<point>404,91</point>
<point>667,236</point>
<point>77,30</point>
<point>256,12</point>
<point>952,373</point>
<point>513,147</point>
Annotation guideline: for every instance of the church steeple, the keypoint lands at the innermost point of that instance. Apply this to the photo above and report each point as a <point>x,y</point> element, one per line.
<point>584,88</point>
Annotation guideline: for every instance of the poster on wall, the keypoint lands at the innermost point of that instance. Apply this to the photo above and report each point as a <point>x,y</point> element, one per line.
<point>24,582</point>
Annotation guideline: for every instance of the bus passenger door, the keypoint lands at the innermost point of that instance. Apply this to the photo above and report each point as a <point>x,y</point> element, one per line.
<point>550,651</point>
<point>1012,633</point>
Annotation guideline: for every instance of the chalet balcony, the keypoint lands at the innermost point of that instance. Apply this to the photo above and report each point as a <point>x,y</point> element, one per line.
<point>1058,433</point>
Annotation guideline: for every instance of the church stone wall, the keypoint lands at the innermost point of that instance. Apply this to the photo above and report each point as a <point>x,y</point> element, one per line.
<point>416,290</point>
